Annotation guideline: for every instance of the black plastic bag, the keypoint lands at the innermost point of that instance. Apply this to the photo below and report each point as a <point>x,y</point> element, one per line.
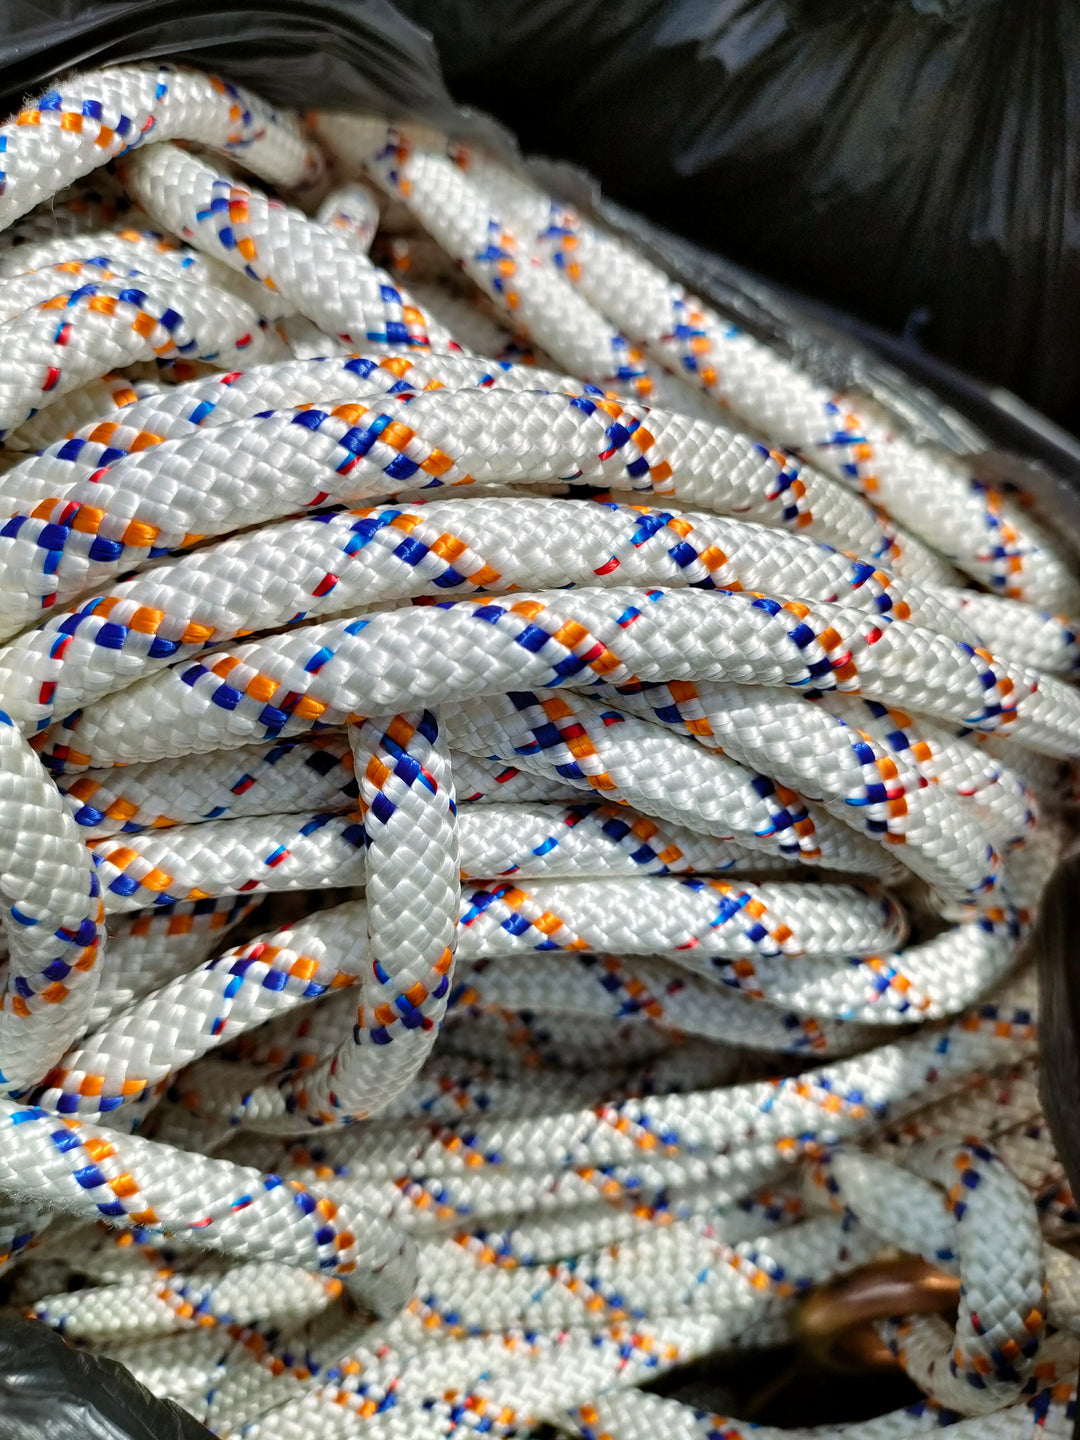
<point>644,93</point>
<point>914,161</point>
<point>49,1390</point>
<point>362,54</point>
<point>351,54</point>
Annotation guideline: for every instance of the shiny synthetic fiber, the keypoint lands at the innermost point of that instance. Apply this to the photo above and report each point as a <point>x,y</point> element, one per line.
<point>513,872</point>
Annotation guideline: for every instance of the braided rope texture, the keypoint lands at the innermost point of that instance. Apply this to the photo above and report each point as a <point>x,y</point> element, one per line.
<point>467,954</point>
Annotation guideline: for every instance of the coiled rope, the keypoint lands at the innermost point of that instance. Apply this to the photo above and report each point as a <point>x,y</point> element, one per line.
<point>688,781</point>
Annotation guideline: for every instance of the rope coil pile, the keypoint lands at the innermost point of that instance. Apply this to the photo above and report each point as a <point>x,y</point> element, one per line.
<point>468,955</point>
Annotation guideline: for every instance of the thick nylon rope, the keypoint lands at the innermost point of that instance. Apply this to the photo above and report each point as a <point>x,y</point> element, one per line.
<point>465,955</point>
<point>938,500</point>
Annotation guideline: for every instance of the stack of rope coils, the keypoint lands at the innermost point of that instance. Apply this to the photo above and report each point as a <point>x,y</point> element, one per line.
<point>656,761</point>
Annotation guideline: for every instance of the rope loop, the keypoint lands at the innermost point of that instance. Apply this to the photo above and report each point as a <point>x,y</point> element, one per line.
<point>522,811</point>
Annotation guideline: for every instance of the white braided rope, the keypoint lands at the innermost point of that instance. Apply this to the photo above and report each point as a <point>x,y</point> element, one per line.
<point>696,713</point>
<point>319,270</point>
<point>353,210</point>
<point>127,508</point>
<point>987,534</point>
<point>72,129</point>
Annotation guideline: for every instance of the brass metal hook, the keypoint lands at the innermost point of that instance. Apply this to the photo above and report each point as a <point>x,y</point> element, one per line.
<point>835,1321</point>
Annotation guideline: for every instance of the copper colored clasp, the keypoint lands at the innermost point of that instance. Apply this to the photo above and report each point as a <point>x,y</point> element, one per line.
<point>835,1321</point>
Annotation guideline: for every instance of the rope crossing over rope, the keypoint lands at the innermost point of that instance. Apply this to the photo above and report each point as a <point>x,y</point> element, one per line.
<point>468,954</point>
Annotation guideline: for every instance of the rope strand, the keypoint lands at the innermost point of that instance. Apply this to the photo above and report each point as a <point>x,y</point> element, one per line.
<point>467,955</point>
